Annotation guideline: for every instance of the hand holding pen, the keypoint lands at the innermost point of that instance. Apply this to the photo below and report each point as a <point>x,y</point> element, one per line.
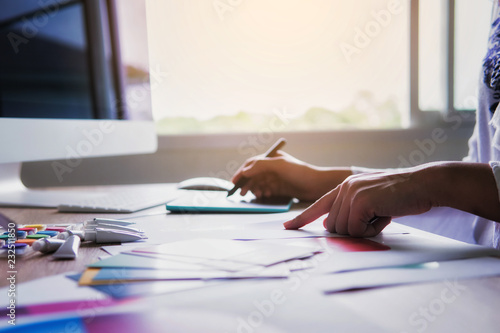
<point>278,174</point>
<point>271,152</point>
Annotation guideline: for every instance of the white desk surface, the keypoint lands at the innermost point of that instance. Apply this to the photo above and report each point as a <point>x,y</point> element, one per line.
<point>302,308</point>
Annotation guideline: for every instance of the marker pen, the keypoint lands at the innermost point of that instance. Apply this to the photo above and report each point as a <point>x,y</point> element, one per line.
<point>30,231</point>
<point>26,241</point>
<point>37,236</point>
<point>58,229</point>
<point>113,227</point>
<point>17,248</point>
<point>69,232</point>
<point>39,227</point>
<point>20,234</point>
<point>98,221</point>
<point>68,250</point>
<point>47,245</point>
<point>50,233</point>
<point>101,235</point>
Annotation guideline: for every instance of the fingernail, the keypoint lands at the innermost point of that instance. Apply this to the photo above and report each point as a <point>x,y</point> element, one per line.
<point>287,224</point>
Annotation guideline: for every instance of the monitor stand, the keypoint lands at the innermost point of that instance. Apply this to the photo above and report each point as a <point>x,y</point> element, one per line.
<point>13,193</point>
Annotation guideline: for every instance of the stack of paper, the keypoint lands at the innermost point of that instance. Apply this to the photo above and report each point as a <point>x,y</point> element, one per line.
<point>199,259</point>
<point>341,262</point>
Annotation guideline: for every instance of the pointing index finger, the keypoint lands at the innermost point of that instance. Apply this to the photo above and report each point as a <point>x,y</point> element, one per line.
<point>313,212</point>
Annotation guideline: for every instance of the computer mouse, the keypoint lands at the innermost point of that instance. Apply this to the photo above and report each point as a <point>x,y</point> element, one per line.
<point>205,184</point>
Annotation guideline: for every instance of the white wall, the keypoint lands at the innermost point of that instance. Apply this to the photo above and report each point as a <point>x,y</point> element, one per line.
<point>179,158</point>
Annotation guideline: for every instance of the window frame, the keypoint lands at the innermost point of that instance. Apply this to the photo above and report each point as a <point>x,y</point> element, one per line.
<point>420,118</point>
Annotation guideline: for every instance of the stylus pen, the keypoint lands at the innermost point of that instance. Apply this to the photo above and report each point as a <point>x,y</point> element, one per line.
<point>270,153</point>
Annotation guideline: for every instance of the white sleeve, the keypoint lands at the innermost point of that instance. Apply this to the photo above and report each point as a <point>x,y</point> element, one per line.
<point>473,142</point>
<point>495,166</point>
<point>358,170</point>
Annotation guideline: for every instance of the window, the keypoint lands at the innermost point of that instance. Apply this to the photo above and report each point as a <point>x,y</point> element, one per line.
<point>453,38</point>
<point>238,66</point>
<point>472,25</point>
<point>134,58</point>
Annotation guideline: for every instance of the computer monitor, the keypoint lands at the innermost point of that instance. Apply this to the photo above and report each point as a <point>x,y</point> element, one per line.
<point>63,93</point>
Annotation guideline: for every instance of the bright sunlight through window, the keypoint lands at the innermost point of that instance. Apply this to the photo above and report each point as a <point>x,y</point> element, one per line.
<point>221,66</point>
<point>287,65</point>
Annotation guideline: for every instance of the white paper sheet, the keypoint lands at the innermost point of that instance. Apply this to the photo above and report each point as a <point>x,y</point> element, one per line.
<point>253,253</point>
<point>404,250</point>
<point>440,271</point>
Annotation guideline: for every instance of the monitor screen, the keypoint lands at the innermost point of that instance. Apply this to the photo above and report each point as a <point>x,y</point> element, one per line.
<point>45,69</point>
<point>62,77</point>
<point>61,60</point>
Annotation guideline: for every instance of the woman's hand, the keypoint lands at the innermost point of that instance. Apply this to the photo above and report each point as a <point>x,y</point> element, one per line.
<point>285,175</point>
<point>363,205</point>
<point>352,205</point>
